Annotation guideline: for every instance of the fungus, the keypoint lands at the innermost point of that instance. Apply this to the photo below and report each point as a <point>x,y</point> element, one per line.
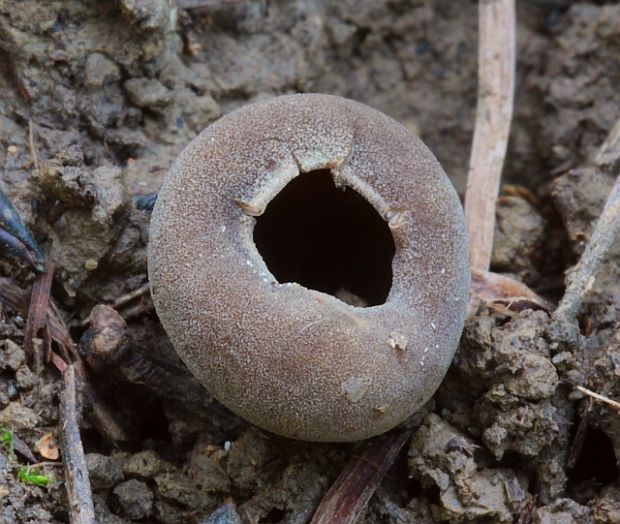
<point>308,260</point>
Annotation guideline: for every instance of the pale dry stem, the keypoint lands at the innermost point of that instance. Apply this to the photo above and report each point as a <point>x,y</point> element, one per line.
<point>598,396</point>
<point>606,233</point>
<point>496,78</point>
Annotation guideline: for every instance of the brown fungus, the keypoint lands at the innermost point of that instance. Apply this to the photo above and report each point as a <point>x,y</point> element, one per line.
<point>249,294</point>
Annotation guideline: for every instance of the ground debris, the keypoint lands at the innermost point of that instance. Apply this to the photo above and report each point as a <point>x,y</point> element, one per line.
<point>469,489</point>
<point>565,511</point>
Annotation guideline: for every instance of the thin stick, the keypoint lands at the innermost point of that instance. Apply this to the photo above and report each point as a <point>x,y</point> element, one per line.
<point>582,276</point>
<point>144,289</point>
<point>31,144</point>
<point>128,297</point>
<point>598,396</point>
<point>580,435</point>
<point>81,507</point>
<point>606,232</point>
<point>106,419</point>
<point>352,490</point>
<point>608,156</point>
<point>496,77</point>
<point>193,4</point>
<point>44,464</point>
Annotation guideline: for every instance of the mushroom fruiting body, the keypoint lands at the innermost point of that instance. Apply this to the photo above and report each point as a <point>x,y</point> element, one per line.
<point>293,360</point>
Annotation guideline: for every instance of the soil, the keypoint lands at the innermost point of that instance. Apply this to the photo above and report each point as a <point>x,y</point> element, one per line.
<point>96,100</point>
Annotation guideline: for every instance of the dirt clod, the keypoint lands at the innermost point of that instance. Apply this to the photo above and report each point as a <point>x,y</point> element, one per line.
<point>103,471</point>
<point>440,455</point>
<point>563,511</point>
<point>134,499</point>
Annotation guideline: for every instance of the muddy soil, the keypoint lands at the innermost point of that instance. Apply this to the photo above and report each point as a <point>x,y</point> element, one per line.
<point>96,100</point>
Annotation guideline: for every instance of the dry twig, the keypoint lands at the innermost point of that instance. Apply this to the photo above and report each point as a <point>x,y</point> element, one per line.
<point>37,317</point>
<point>352,490</point>
<point>615,404</point>
<point>106,419</point>
<point>81,507</point>
<point>606,233</point>
<point>128,297</point>
<point>123,300</point>
<point>608,156</point>
<point>194,4</point>
<point>496,77</point>
<point>18,299</point>
<point>580,435</point>
<point>32,146</point>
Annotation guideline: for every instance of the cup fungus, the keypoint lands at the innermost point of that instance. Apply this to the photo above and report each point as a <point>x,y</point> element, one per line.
<point>308,260</point>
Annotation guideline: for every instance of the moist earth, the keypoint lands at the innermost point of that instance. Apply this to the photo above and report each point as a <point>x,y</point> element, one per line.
<point>98,97</point>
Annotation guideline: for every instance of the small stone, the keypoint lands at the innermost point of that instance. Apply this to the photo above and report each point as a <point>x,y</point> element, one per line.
<point>247,459</point>
<point>565,511</point>
<point>178,488</point>
<point>341,32</point>
<point>11,150</point>
<point>169,513</point>
<point>226,514</point>
<point>13,355</point>
<point>204,110</point>
<point>102,470</point>
<point>606,508</point>
<point>100,70</point>
<point>495,437</point>
<point>102,513</point>
<point>204,466</point>
<point>134,499</point>
<point>145,464</point>
<point>90,264</point>
<point>17,417</point>
<point>25,378</point>
<point>149,14</point>
<point>536,381</point>
<point>11,390</point>
<point>147,92</point>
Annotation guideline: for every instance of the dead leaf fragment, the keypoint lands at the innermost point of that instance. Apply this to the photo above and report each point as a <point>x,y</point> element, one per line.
<point>47,447</point>
<point>499,290</point>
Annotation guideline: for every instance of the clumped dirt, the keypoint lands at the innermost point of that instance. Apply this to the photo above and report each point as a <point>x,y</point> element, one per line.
<point>96,100</point>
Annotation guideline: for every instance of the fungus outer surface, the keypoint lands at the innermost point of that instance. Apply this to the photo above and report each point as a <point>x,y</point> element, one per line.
<point>293,360</point>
